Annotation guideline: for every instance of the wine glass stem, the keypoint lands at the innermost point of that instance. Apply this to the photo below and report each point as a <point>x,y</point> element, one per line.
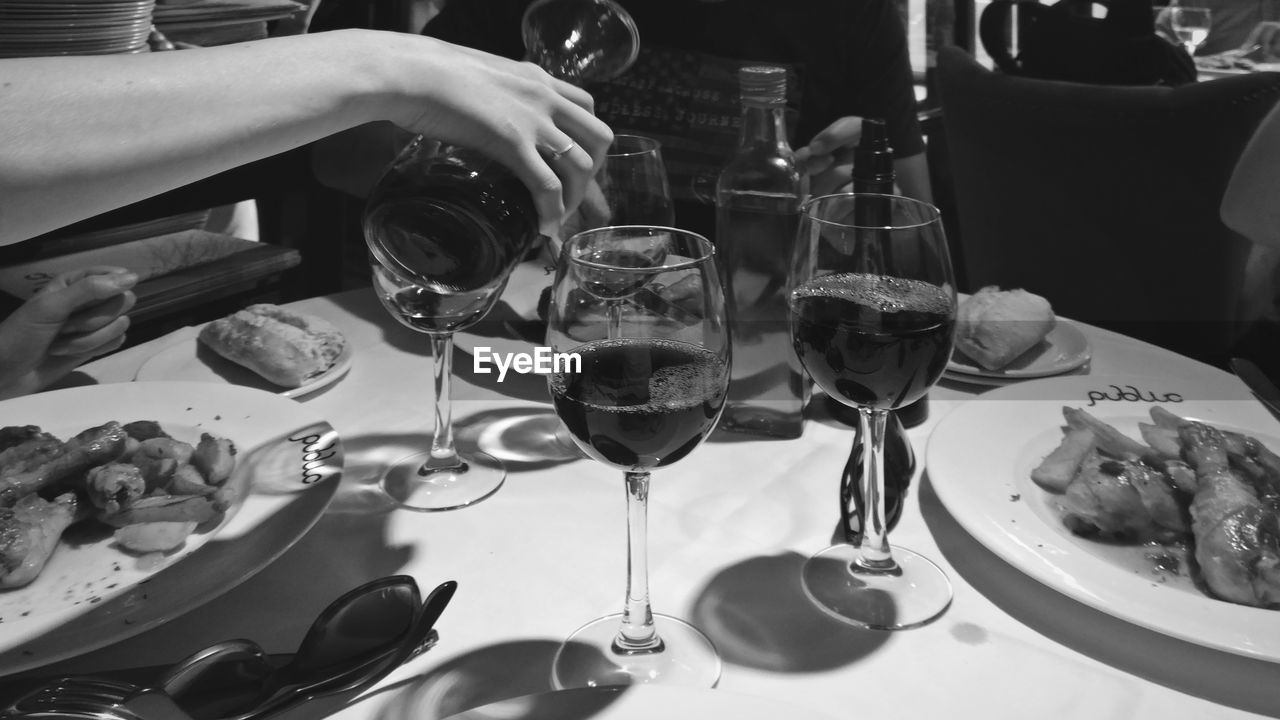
<point>614,310</point>
<point>637,634</point>
<point>873,553</point>
<point>443,453</point>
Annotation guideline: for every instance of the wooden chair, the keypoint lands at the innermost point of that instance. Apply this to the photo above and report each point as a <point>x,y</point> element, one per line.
<point>1104,199</point>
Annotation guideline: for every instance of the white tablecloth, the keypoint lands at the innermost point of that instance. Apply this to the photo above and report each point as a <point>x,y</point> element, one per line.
<point>729,529</point>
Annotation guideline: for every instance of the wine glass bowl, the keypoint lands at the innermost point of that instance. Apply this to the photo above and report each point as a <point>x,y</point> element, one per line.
<point>1191,25</point>
<point>631,188</point>
<point>580,41</point>
<point>634,183</point>
<point>872,305</point>
<point>644,395</point>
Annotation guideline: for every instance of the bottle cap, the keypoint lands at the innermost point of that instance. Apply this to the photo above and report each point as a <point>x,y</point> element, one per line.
<point>763,84</point>
<point>874,134</point>
<point>873,159</point>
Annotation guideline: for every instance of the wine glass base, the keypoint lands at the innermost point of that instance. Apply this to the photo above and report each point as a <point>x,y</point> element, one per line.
<point>912,595</point>
<point>442,489</point>
<point>588,658</point>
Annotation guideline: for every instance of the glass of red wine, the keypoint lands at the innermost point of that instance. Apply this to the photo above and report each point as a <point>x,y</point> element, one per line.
<point>637,401</point>
<point>444,232</point>
<point>873,307</point>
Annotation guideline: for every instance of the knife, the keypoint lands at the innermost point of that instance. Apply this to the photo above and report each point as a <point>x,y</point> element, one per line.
<point>1261,385</point>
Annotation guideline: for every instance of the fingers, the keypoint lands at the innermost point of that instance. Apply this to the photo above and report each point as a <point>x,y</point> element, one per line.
<point>595,207</point>
<point>544,186</point>
<point>830,149</point>
<point>62,280</point>
<point>587,139</point>
<point>92,343</point>
<point>575,95</point>
<point>843,133</point>
<point>513,112</point>
<point>96,316</point>
<point>66,294</point>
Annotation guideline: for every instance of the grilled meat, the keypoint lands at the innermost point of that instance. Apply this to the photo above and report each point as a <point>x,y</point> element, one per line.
<point>92,447</point>
<point>29,532</point>
<point>1237,534</point>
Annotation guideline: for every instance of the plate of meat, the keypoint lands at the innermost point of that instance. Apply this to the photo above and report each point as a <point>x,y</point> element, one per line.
<point>124,505</point>
<point>1153,499</point>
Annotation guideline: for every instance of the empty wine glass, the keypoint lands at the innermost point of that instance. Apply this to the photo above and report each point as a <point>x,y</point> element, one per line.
<point>580,41</point>
<point>1191,25</point>
<point>631,188</point>
<point>638,401</point>
<point>633,183</point>
<point>873,308</point>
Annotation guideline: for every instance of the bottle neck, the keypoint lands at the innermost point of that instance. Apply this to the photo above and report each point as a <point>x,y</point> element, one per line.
<point>764,125</point>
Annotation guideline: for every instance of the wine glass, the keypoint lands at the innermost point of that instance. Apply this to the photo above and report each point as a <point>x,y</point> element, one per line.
<point>631,188</point>
<point>633,183</point>
<point>445,226</point>
<point>444,232</point>
<point>873,309</point>
<point>1191,25</point>
<point>636,402</point>
<point>580,41</point>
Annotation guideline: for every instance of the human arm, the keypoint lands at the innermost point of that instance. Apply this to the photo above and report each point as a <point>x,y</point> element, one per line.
<point>76,316</point>
<point>82,135</point>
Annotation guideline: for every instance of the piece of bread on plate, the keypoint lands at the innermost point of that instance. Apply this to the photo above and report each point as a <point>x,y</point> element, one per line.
<point>283,346</point>
<point>994,327</point>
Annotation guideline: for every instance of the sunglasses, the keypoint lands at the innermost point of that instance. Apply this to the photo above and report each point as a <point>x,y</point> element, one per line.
<point>356,641</point>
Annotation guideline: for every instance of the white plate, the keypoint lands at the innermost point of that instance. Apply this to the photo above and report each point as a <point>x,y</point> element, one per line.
<point>980,458</point>
<point>190,360</point>
<point>92,594</point>
<point>637,702</point>
<point>1064,349</point>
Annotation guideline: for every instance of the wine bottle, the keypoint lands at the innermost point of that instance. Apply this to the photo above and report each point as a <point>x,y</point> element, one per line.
<point>758,196</point>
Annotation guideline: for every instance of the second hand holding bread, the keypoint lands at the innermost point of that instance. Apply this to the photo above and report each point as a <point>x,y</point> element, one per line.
<point>283,346</point>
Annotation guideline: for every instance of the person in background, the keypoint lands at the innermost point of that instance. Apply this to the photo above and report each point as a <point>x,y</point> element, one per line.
<point>849,56</point>
<point>76,316</point>
<point>81,135</point>
<point>1233,21</point>
<point>1249,207</point>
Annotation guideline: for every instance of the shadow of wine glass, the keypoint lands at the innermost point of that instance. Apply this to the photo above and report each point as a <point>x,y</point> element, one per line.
<point>522,438</point>
<point>757,614</point>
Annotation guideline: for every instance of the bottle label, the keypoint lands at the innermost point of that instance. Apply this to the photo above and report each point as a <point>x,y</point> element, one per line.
<point>689,102</point>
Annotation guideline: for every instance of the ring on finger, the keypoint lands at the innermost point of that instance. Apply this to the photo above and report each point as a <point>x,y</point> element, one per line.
<point>557,154</point>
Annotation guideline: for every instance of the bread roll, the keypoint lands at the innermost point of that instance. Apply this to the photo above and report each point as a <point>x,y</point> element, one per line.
<point>994,327</point>
<point>283,346</point>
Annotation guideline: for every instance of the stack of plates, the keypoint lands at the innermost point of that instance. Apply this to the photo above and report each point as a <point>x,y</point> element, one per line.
<point>198,14</point>
<point>74,27</point>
